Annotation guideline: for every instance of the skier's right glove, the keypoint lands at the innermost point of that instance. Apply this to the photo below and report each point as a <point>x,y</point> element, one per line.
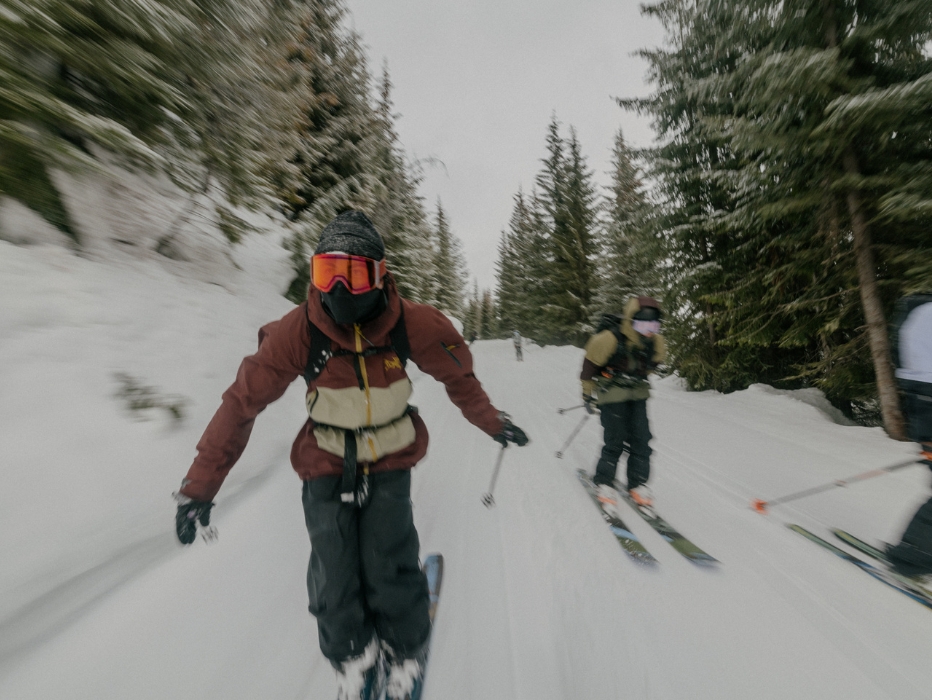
<point>510,433</point>
<point>189,514</point>
<point>590,402</point>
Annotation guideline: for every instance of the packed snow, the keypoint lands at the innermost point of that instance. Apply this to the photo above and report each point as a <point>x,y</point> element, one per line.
<point>99,601</point>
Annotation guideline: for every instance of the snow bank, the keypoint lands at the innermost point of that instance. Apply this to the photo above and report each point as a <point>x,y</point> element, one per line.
<point>87,481</point>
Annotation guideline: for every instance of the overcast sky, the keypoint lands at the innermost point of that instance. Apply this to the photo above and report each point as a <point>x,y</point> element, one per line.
<point>476,83</point>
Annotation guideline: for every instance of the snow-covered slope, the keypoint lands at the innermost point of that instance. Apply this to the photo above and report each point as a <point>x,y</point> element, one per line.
<point>97,600</point>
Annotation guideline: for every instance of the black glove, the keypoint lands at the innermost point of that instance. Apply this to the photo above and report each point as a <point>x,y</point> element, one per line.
<point>590,402</point>
<point>510,433</point>
<point>188,515</point>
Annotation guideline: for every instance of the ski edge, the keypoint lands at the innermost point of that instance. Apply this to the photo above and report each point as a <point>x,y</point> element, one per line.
<point>882,575</point>
<point>860,545</point>
<point>433,569</point>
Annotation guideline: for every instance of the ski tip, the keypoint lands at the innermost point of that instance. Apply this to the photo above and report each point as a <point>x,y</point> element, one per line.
<point>759,506</point>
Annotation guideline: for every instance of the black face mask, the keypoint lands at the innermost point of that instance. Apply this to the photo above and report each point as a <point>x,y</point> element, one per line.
<point>347,308</point>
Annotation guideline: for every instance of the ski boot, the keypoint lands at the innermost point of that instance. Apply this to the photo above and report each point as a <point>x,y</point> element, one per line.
<point>642,496</point>
<point>908,560</point>
<point>362,677</point>
<point>404,676</point>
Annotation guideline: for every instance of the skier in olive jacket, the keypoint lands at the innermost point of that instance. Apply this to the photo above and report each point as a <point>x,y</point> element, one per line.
<point>614,378</point>
<point>350,340</point>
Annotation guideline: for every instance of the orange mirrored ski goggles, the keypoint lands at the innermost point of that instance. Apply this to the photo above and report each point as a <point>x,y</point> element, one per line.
<point>357,273</point>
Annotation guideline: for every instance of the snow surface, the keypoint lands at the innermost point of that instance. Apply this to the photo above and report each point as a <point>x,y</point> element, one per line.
<point>97,599</point>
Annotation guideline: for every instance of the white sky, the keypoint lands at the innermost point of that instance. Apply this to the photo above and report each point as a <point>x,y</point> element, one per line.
<point>476,83</point>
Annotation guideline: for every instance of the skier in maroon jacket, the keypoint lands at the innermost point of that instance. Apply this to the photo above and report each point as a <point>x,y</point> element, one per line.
<point>350,341</point>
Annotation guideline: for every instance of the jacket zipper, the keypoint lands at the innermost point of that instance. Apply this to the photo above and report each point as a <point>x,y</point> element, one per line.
<point>365,380</point>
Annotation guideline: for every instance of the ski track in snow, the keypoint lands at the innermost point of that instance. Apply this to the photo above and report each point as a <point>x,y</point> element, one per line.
<point>539,602</point>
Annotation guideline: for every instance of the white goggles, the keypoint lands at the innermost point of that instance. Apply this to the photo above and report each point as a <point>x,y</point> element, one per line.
<point>645,327</point>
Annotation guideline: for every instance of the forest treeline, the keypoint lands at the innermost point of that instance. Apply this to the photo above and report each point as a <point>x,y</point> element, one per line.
<point>251,102</point>
<point>790,200</point>
<point>783,209</point>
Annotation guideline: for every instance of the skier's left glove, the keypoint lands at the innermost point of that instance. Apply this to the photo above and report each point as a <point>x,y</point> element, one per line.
<point>510,433</point>
<point>189,514</point>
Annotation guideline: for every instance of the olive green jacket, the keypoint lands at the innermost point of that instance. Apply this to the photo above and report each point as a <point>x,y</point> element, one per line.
<point>615,387</point>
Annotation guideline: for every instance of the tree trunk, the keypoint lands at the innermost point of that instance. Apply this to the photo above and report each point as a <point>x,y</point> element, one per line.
<point>873,310</point>
<point>893,421</point>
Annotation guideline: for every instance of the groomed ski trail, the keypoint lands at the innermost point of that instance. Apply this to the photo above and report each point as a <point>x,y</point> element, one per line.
<point>539,603</point>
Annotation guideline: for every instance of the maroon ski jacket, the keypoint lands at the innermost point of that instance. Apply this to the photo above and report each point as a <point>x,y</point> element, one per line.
<point>368,398</point>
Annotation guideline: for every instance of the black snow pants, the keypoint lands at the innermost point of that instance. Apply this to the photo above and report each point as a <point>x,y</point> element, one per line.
<point>625,428</point>
<point>364,577</point>
<point>913,555</point>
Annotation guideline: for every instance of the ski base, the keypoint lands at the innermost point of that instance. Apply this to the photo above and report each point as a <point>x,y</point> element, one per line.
<point>627,539</point>
<point>890,578</point>
<point>433,569</point>
<point>682,545</point>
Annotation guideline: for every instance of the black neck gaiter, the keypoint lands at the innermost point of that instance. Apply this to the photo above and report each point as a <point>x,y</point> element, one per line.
<point>347,308</point>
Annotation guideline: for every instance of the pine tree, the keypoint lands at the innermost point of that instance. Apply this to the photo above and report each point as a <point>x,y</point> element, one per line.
<point>398,211</point>
<point>546,270</point>
<point>75,76</point>
<point>777,169</point>
<point>331,167</point>
<point>180,84</point>
<point>450,265</point>
<point>567,197</point>
<point>473,324</point>
<point>348,157</point>
<point>490,328</point>
<point>629,253</point>
<point>520,269</point>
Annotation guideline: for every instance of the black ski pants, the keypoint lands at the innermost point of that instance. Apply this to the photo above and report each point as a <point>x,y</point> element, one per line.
<point>364,576</point>
<point>625,428</point>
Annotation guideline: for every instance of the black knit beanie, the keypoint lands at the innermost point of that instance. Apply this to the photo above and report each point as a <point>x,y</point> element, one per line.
<point>351,232</point>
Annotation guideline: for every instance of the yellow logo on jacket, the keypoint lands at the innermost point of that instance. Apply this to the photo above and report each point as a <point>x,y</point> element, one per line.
<point>393,363</point>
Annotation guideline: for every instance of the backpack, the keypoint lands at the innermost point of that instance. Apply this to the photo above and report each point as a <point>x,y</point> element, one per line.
<point>626,361</point>
<point>609,322</point>
<point>319,352</point>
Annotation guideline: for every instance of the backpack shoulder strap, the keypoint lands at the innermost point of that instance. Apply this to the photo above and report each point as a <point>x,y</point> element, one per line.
<point>319,352</point>
<point>398,338</point>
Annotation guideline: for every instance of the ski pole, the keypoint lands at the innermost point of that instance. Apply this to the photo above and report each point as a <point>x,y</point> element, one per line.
<point>761,506</point>
<point>487,498</point>
<point>561,411</point>
<point>572,435</point>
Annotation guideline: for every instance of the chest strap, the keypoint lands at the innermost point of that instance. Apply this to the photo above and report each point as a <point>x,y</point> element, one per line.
<point>320,351</point>
<point>349,492</point>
